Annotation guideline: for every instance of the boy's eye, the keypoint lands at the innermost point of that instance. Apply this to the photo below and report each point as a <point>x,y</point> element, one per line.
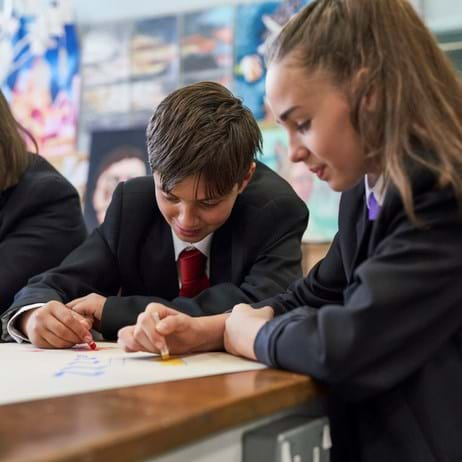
<point>209,205</point>
<point>172,199</point>
<point>303,127</point>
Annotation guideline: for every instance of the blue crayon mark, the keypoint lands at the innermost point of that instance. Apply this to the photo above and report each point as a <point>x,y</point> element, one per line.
<point>84,366</point>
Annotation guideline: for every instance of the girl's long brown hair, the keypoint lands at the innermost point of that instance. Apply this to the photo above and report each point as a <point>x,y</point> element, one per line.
<point>14,159</point>
<point>418,92</point>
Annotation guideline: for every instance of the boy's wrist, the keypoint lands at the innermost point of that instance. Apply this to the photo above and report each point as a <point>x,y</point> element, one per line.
<point>22,321</point>
<point>210,331</point>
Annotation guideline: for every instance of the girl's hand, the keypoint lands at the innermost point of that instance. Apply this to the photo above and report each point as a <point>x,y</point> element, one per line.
<point>242,328</point>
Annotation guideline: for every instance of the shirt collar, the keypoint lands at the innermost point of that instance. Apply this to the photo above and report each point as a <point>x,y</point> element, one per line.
<point>378,190</point>
<point>203,246</point>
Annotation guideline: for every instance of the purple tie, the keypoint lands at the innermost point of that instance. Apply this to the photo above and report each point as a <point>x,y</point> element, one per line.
<point>374,207</point>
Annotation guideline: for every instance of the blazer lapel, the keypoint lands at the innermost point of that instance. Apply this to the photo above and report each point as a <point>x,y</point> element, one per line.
<point>158,268</point>
<point>363,234</point>
<point>221,252</point>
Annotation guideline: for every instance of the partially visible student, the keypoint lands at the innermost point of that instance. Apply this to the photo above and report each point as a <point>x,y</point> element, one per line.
<point>40,215</point>
<point>208,204</point>
<point>374,108</point>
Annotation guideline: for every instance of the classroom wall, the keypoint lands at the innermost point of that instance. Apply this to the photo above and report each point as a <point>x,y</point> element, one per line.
<point>440,15</point>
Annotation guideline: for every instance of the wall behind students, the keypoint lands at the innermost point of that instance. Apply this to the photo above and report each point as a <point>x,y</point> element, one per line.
<point>124,77</point>
<point>439,14</point>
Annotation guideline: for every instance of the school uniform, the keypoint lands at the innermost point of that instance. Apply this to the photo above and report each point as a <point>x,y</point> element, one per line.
<point>40,223</point>
<point>379,319</point>
<point>130,258</point>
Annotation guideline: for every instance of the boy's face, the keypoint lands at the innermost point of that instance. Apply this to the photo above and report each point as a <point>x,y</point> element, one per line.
<point>190,213</point>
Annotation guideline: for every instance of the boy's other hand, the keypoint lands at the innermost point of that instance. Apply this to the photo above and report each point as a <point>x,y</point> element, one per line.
<point>178,331</point>
<point>54,325</point>
<point>242,327</point>
<point>90,306</point>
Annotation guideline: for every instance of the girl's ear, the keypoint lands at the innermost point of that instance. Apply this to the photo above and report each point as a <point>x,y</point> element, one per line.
<point>248,177</point>
<point>369,102</point>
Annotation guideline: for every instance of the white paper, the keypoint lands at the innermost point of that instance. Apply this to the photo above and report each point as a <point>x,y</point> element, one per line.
<point>30,373</point>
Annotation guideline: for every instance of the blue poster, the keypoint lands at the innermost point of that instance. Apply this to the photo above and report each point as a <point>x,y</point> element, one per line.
<point>43,84</point>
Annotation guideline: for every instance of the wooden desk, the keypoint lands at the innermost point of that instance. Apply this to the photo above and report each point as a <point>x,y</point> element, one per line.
<point>135,423</point>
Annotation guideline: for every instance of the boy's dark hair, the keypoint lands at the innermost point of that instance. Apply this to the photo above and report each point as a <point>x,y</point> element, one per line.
<point>202,130</point>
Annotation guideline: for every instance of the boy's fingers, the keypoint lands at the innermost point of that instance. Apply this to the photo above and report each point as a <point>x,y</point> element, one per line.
<point>144,340</point>
<point>74,302</point>
<point>72,321</point>
<point>163,310</point>
<point>60,330</point>
<point>147,323</point>
<point>171,324</point>
<point>54,341</point>
<point>127,341</point>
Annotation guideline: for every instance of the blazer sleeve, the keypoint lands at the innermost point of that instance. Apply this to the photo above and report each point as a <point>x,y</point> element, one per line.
<point>277,264</point>
<point>324,284</point>
<point>50,226</point>
<point>91,267</point>
<point>402,305</point>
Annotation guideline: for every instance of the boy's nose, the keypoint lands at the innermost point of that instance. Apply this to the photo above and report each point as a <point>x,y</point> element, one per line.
<point>187,217</point>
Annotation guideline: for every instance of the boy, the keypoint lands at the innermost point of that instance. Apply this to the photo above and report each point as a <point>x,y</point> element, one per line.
<point>209,198</point>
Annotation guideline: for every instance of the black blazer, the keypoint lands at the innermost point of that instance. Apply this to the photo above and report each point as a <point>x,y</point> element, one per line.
<point>255,254</point>
<point>380,321</point>
<point>40,223</point>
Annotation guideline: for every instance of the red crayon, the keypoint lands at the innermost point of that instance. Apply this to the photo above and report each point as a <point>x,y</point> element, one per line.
<point>92,345</point>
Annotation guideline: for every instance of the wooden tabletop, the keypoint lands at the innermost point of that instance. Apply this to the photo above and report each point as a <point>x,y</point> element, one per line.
<point>142,421</point>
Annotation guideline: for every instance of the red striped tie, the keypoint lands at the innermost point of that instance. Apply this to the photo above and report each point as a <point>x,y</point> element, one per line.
<point>192,270</point>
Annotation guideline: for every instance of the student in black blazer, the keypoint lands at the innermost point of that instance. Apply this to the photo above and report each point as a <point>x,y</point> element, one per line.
<point>40,215</point>
<point>206,183</point>
<point>373,107</point>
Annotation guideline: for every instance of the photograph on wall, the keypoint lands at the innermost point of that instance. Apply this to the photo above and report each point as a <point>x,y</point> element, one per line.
<point>105,53</point>
<point>42,83</point>
<point>154,48</point>
<point>321,200</point>
<point>256,26</point>
<point>114,156</point>
<point>207,42</point>
<point>154,52</point>
<point>106,94</point>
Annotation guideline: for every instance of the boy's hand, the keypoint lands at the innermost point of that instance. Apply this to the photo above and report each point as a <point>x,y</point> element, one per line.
<point>55,326</point>
<point>90,306</point>
<point>178,331</point>
<point>242,328</point>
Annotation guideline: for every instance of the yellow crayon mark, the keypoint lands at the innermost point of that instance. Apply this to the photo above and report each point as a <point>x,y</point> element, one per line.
<point>169,362</point>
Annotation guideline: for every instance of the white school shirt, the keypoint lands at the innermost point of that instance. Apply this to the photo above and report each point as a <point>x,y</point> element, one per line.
<point>378,190</point>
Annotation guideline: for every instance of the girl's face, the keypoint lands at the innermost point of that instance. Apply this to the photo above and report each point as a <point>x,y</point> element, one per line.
<point>316,116</point>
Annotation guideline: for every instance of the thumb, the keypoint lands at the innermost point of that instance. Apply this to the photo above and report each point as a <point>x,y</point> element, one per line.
<point>171,324</point>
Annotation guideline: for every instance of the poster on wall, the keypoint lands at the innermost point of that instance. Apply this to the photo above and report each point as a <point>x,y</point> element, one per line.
<point>128,68</point>
<point>321,200</point>
<point>207,45</point>
<point>154,62</point>
<point>42,81</point>
<point>256,26</point>
<point>114,156</point>
<point>105,73</point>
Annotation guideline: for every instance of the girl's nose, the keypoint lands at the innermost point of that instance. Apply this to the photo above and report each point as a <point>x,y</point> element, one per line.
<point>297,151</point>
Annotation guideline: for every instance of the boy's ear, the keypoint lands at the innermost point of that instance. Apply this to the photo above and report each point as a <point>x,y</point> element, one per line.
<point>248,177</point>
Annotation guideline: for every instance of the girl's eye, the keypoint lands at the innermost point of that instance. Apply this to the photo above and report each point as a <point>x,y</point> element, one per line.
<point>171,199</point>
<point>303,127</point>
